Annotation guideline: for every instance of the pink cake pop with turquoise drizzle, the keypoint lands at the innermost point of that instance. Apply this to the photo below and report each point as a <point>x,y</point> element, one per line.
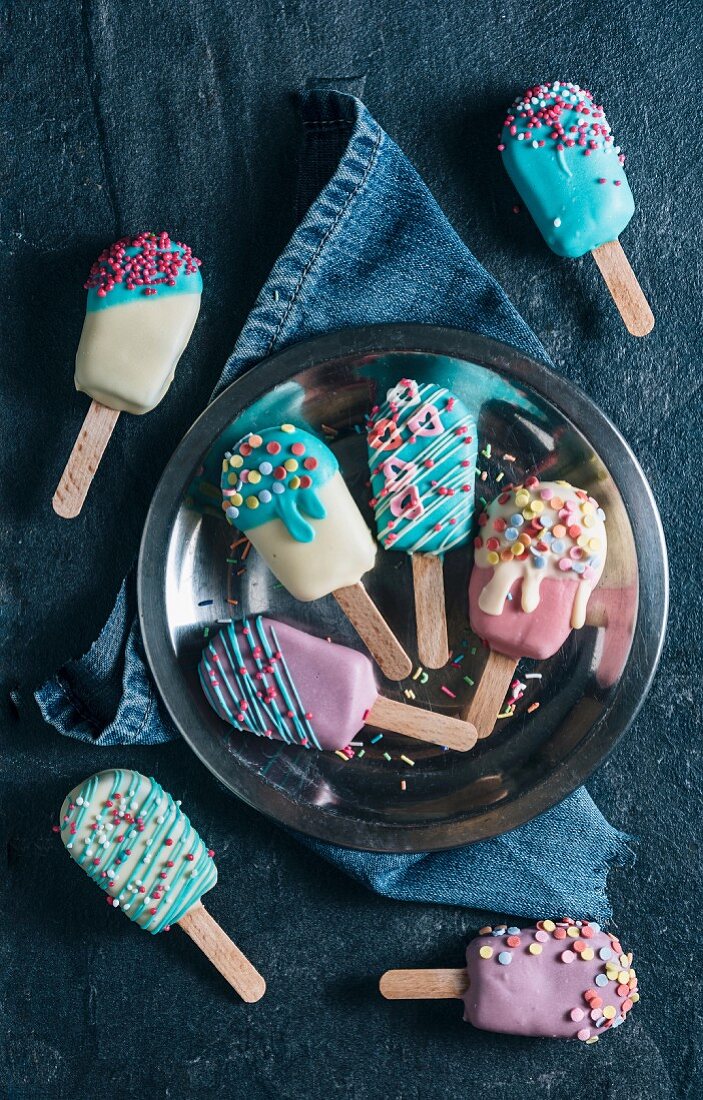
<point>270,679</point>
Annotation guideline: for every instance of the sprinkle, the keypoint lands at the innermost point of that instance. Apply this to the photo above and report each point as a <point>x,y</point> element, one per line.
<point>500,476</point>
<point>417,672</point>
<point>533,675</point>
<point>535,948</point>
<point>446,691</point>
<point>532,707</point>
<point>509,458</point>
<point>469,681</point>
<point>407,760</point>
<point>361,752</point>
<point>388,757</point>
<point>505,958</point>
<point>403,785</point>
<point>378,737</point>
<point>205,603</point>
<point>338,752</point>
<point>486,952</point>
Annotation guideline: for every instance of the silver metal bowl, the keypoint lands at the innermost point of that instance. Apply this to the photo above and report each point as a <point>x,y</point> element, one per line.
<point>588,693</point>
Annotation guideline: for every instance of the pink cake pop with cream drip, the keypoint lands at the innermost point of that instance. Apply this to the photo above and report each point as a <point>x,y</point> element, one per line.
<point>538,556</point>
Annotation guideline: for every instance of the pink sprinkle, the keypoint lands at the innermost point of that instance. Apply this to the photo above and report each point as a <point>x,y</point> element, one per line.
<point>447,691</point>
<point>584,1033</point>
<point>601,180</point>
<point>577,1014</point>
<point>567,956</point>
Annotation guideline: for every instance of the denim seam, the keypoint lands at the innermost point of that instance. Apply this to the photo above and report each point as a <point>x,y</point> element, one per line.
<point>75,702</point>
<point>323,240</point>
<point>148,708</point>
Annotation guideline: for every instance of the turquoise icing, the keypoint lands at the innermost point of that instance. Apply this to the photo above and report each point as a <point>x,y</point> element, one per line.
<point>474,384</point>
<point>283,403</point>
<point>422,456</point>
<point>276,474</point>
<point>119,836</point>
<point>267,704</point>
<point>185,280</point>
<point>557,147</point>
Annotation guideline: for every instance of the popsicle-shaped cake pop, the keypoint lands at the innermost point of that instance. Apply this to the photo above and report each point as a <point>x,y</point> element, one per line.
<point>562,979</point>
<point>560,153</point>
<point>143,302</point>
<point>137,845</point>
<point>282,488</point>
<point>268,678</point>
<point>539,555</point>
<point>422,456</point>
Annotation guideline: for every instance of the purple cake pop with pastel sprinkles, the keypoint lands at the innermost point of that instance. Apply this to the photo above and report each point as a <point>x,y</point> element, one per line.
<point>561,979</point>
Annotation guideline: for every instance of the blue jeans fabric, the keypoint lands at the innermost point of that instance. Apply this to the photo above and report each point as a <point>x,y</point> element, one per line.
<point>373,246</point>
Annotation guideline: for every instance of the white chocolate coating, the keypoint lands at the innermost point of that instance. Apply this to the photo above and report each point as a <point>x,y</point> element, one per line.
<point>341,552</point>
<point>127,354</point>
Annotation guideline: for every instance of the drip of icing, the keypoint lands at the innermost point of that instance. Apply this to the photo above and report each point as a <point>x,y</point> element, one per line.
<point>134,842</point>
<point>277,474</point>
<point>422,456</point>
<point>559,532</point>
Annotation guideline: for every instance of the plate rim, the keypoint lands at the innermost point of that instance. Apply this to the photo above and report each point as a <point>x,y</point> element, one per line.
<point>612,449</point>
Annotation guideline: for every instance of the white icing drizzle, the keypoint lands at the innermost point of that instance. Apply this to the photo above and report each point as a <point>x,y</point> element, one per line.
<point>561,533</point>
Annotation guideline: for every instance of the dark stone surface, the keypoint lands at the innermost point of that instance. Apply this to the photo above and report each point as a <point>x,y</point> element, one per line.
<point>124,115</point>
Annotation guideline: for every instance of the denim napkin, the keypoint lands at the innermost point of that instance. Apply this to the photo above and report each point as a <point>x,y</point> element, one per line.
<point>372,246</point>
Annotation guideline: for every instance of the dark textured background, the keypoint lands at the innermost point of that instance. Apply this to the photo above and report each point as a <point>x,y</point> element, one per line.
<point>126,115</point>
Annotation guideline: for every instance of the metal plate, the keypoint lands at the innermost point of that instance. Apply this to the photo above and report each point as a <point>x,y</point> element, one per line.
<point>589,692</point>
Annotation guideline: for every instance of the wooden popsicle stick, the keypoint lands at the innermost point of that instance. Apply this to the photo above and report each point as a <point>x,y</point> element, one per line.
<point>374,631</point>
<point>430,610</point>
<point>225,956</point>
<point>490,693</point>
<point>423,725</point>
<point>423,985</point>
<point>84,460</point>
<point>622,283</point>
